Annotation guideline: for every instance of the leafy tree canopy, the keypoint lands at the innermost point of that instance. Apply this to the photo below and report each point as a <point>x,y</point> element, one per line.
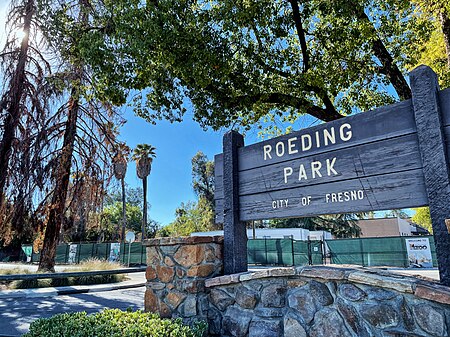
<point>422,217</point>
<point>242,62</point>
<point>203,177</point>
<point>190,217</point>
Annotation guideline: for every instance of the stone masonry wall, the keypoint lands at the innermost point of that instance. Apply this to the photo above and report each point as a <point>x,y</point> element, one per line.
<point>176,272</point>
<point>326,302</point>
<point>183,280</point>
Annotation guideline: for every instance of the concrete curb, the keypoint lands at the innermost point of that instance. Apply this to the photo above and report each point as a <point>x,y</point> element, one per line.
<point>59,291</point>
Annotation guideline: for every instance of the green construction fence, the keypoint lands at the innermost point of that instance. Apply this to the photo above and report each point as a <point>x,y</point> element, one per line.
<point>387,251</point>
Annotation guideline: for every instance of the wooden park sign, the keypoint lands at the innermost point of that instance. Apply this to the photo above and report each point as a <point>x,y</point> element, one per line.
<point>393,157</point>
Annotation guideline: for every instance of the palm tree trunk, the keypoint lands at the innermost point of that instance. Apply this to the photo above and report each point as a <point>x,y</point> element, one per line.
<point>144,208</point>
<point>16,92</point>
<point>57,207</point>
<point>124,210</point>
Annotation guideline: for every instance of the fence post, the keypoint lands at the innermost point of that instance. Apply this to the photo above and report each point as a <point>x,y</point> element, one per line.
<point>362,252</point>
<point>293,254</point>
<point>309,252</point>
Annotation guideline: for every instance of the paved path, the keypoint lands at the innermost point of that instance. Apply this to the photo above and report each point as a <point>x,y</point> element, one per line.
<point>16,314</point>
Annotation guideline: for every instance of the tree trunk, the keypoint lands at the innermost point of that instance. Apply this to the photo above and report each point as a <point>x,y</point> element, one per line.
<point>445,24</point>
<point>144,208</point>
<point>57,206</point>
<point>124,210</point>
<point>388,66</point>
<point>14,97</point>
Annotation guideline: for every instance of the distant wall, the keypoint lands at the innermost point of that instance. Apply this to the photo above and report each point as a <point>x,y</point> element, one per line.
<point>293,301</point>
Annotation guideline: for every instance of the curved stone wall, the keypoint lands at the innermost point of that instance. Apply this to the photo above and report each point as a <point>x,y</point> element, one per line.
<point>326,301</point>
<point>320,301</point>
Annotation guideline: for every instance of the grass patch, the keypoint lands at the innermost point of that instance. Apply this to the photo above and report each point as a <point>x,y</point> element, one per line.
<point>88,265</point>
<point>114,323</point>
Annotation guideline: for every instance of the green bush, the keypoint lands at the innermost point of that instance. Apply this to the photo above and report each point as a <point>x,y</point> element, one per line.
<point>113,323</point>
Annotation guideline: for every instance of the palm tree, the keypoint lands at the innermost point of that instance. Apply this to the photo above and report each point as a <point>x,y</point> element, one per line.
<point>120,169</point>
<point>143,154</point>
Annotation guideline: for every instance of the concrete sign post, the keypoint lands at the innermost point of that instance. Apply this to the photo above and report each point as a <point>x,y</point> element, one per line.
<point>393,157</point>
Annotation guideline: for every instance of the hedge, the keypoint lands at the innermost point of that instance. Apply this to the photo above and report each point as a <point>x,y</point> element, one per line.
<point>113,323</point>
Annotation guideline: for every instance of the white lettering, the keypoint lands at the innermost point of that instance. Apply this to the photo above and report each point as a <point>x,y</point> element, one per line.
<point>306,147</point>
<point>329,136</point>
<point>287,172</point>
<point>346,136</point>
<point>267,150</point>
<point>344,196</point>
<point>315,168</point>
<point>330,168</point>
<point>291,145</point>
<point>317,139</point>
<point>280,149</point>
<point>302,173</point>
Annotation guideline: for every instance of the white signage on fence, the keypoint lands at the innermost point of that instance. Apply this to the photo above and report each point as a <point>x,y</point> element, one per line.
<point>71,259</point>
<point>114,253</point>
<point>419,252</point>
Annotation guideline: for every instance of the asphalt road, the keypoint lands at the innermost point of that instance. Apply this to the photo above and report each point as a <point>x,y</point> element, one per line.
<point>17,314</point>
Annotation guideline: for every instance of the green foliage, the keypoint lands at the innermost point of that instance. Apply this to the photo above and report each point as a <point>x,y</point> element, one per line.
<point>422,217</point>
<point>112,323</point>
<point>190,217</point>
<point>203,177</point>
<point>239,62</point>
<point>143,151</point>
<point>428,46</point>
<point>339,225</point>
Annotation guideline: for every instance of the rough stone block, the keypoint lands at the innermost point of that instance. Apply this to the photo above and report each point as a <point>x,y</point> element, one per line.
<point>165,274</point>
<point>203,270</point>
<point>380,316</point>
<point>328,323</point>
<point>236,322</point>
<point>188,256</point>
<point>150,273</point>
<point>151,301</point>
<point>351,292</point>
<point>430,319</point>
<point>220,299</point>
<point>433,293</point>
<point>246,298</point>
<point>324,273</point>
<point>353,318</point>
<point>293,328</point>
<point>156,285</point>
<point>280,272</point>
<point>266,328</point>
<point>174,299</point>
<point>399,284</point>
<point>273,296</point>
<point>153,256</point>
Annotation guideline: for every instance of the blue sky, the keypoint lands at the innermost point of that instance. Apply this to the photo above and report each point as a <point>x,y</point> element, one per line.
<point>169,183</point>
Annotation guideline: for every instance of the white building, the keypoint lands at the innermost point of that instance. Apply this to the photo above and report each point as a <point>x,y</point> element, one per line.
<point>299,234</point>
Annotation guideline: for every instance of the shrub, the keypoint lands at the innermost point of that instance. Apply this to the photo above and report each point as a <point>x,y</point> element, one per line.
<point>87,265</point>
<point>112,323</point>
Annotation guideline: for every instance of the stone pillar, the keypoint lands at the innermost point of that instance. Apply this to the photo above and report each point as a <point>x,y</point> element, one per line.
<point>176,272</point>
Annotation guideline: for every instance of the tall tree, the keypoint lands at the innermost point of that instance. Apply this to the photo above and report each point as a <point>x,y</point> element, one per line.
<point>120,161</point>
<point>240,62</point>
<point>88,131</point>
<point>144,154</point>
<point>203,177</point>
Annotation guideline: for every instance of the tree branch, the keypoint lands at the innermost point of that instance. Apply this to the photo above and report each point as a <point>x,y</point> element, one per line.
<point>325,115</point>
<point>389,68</point>
<point>300,33</point>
